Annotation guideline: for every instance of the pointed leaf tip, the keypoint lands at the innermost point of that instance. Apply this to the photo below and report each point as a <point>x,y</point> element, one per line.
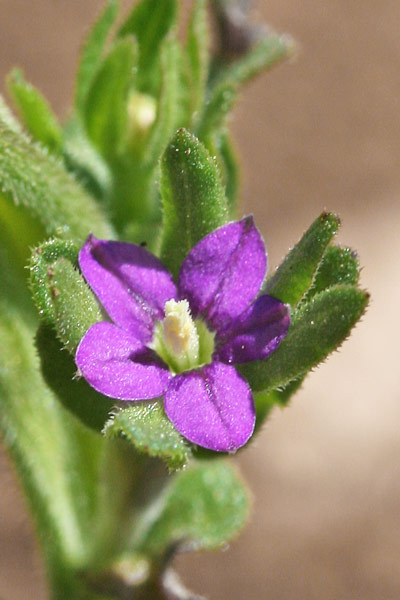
<point>193,197</point>
<point>295,275</point>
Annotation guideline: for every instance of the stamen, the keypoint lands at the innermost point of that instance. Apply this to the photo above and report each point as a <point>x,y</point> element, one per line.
<point>180,333</point>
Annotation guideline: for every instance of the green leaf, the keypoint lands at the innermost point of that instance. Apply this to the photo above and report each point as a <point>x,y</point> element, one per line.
<point>339,265</point>
<point>105,110</point>
<point>61,294</point>
<point>37,116</point>
<point>193,197</point>
<point>230,169</point>
<point>37,181</point>
<point>223,94</point>
<point>216,109</point>
<point>60,373</point>
<point>295,275</point>
<point>65,469</point>
<point>146,426</point>
<point>83,490</point>
<point>198,57</point>
<point>168,102</point>
<point>206,505</point>
<point>92,51</point>
<point>149,22</point>
<point>82,159</point>
<point>318,327</point>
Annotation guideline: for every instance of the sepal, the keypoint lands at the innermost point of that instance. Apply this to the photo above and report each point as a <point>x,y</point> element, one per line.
<point>145,425</point>
<point>61,295</point>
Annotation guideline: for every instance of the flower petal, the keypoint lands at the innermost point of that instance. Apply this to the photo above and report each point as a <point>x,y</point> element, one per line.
<point>223,273</point>
<point>132,284</point>
<point>118,365</point>
<point>256,333</point>
<point>212,407</point>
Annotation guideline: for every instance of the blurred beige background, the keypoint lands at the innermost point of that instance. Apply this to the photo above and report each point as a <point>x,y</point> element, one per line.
<point>320,132</point>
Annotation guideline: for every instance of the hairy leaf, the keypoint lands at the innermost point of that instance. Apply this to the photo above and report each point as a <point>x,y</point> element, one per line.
<point>149,22</point>
<point>31,178</point>
<point>75,495</point>
<point>92,52</point>
<point>61,294</point>
<point>206,505</point>
<point>295,275</point>
<point>146,426</point>
<point>105,111</point>
<point>168,102</point>
<point>230,169</point>
<point>198,58</point>
<point>339,265</point>
<point>82,158</point>
<point>193,197</point>
<point>35,111</point>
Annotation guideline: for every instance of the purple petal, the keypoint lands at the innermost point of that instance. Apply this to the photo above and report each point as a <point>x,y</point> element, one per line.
<point>132,284</point>
<point>256,333</point>
<point>223,273</point>
<point>118,365</point>
<point>212,407</point>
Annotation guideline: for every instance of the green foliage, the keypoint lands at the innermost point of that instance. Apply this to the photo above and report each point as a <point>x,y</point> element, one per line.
<point>198,59</point>
<point>52,197</point>
<point>35,112</point>
<point>294,276</point>
<point>92,52</point>
<point>98,499</point>
<point>105,110</point>
<point>146,426</point>
<point>168,102</point>
<point>87,164</point>
<point>206,505</point>
<point>318,328</point>
<point>193,197</point>
<point>230,169</point>
<point>61,295</point>
<point>149,22</point>
<point>65,469</point>
<point>43,259</point>
<point>339,265</point>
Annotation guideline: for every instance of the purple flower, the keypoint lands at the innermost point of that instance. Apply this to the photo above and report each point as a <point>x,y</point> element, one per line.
<point>181,341</point>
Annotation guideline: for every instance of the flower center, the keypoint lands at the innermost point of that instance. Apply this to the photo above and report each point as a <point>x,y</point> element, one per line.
<point>180,341</point>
